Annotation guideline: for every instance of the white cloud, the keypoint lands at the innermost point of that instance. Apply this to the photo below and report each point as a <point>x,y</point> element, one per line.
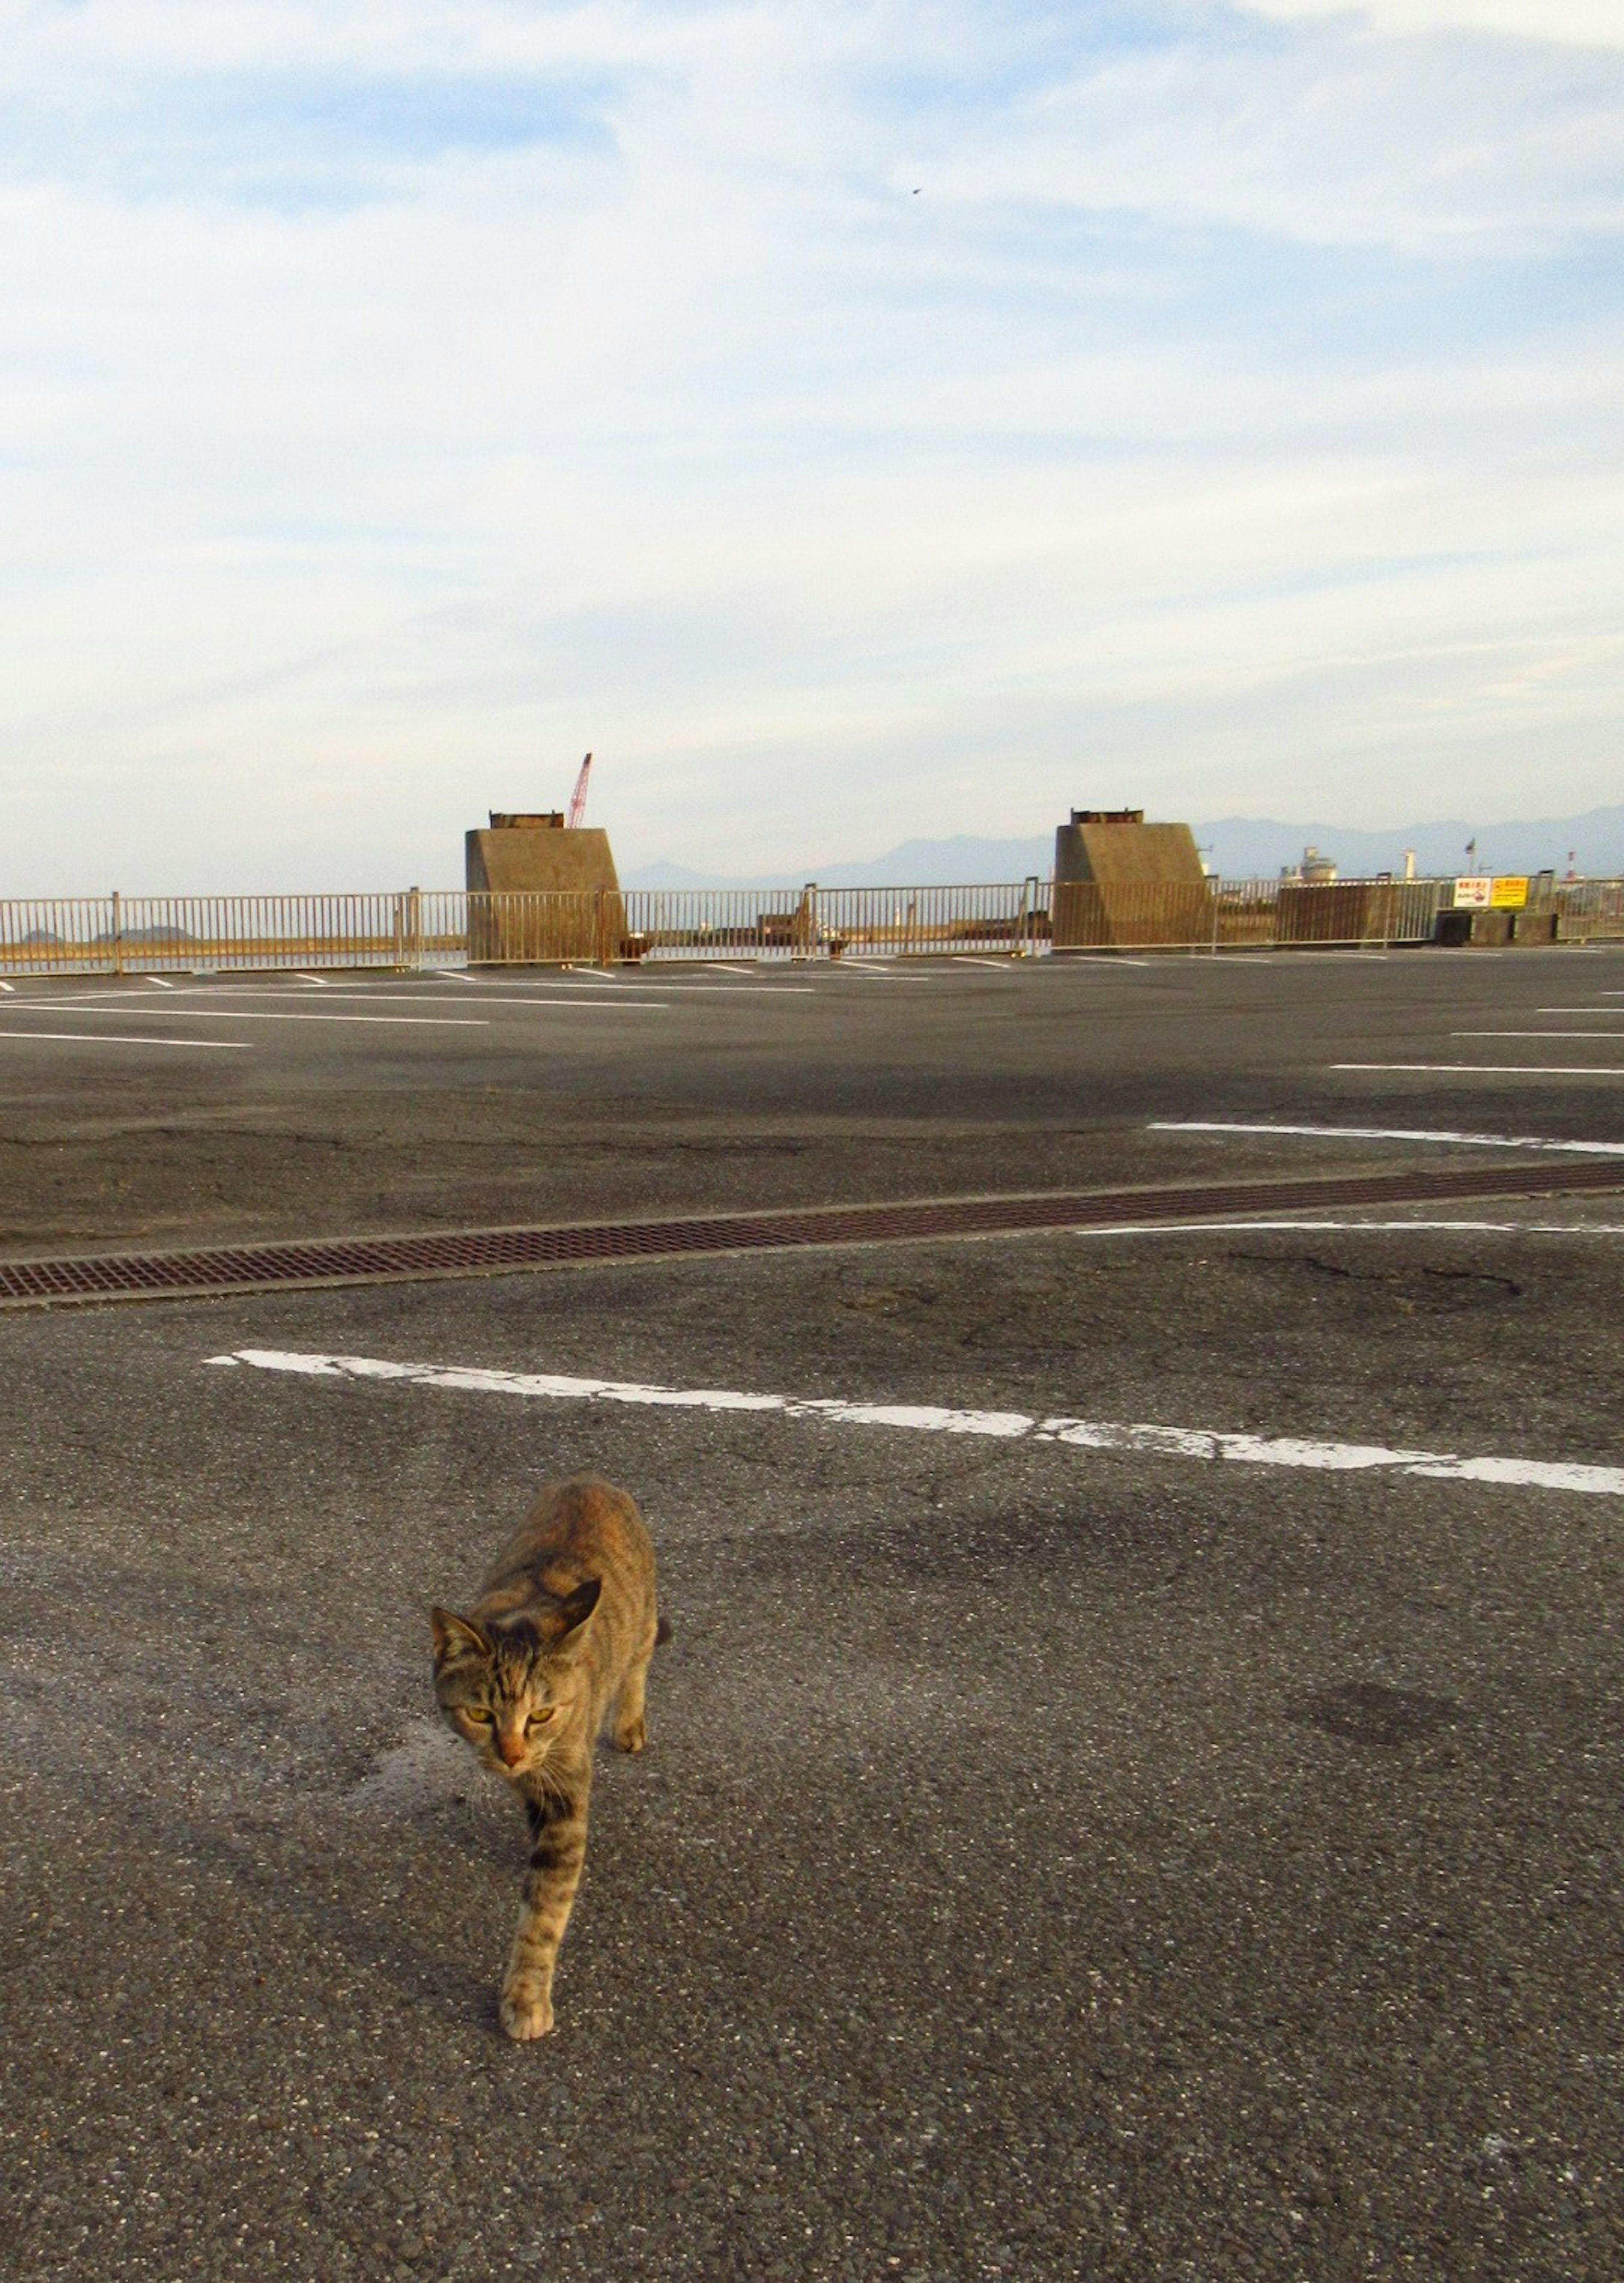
<point>1423,148</point>
<point>1572,23</point>
<point>1215,413</point>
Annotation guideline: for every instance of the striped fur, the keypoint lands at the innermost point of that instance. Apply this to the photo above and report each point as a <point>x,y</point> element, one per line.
<point>556,1645</point>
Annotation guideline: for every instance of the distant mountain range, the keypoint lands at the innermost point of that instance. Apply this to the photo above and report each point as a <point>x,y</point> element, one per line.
<point>1236,847</point>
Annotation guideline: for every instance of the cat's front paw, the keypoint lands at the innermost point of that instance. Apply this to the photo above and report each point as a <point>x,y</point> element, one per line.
<point>526,2011</point>
<point>631,1736</point>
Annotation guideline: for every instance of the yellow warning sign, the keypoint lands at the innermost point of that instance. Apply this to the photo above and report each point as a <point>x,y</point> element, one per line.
<point>1510,895</point>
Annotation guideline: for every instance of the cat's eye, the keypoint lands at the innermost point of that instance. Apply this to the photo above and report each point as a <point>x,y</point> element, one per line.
<point>541,1716</point>
<point>478,1713</point>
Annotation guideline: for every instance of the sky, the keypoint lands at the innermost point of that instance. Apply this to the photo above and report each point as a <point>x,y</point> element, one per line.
<point>852,421</point>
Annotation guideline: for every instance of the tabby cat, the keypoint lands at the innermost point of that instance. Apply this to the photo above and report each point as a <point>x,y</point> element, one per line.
<point>557,1642</point>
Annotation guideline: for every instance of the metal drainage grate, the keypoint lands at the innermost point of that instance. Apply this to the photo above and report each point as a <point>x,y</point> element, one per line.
<point>498,1252</point>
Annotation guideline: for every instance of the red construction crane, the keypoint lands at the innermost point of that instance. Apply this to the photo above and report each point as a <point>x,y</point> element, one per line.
<point>578,798</point>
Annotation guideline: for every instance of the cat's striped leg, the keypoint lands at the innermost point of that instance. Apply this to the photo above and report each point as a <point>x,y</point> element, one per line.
<point>631,1730</point>
<point>557,1850</point>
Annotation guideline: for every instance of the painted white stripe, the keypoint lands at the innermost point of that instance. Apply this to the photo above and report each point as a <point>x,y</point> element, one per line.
<point>403,994</point>
<point>320,981</point>
<point>157,983</point>
<point>1007,1426</point>
<point>411,997</point>
<point>123,1039</point>
<point>1093,959</point>
<point>8,986</point>
<point>1389,1133</point>
<point>415,995</point>
<point>1349,1227</point>
<point>1537,1035</point>
<point>243,1014</point>
<point>765,989</point>
<point>1493,1070</point>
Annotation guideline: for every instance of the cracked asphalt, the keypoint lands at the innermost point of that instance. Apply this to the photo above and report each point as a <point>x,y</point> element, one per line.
<point>1048,1862</point>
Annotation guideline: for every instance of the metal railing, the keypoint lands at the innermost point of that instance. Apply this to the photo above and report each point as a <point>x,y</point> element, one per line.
<point>412,929</point>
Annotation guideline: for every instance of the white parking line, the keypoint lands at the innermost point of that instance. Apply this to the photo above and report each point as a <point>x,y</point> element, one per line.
<point>244,1015</point>
<point>1203,1443</point>
<point>103,1039</point>
<point>1536,1034</point>
<point>1389,1133</point>
<point>763,990</point>
<point>414,996</point>
<point>411,999</point>
<point>1492,1070</point>
<point>1352,1228</point>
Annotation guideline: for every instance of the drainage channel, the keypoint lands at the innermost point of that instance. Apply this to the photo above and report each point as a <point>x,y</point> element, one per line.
<point>290,1265</point>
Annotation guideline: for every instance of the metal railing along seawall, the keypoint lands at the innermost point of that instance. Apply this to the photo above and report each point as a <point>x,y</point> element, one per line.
<point>412,928</point>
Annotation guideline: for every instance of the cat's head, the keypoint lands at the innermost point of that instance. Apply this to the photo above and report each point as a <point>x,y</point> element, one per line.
<point>511,1686</point>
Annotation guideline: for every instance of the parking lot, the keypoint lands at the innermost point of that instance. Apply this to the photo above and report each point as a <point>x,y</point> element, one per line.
<point>1134,1789</point>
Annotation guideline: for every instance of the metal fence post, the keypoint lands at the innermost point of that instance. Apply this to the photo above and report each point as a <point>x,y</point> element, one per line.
<point>118,933</point>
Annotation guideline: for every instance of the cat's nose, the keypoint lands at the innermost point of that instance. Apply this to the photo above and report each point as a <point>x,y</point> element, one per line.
<point>510,1744</point>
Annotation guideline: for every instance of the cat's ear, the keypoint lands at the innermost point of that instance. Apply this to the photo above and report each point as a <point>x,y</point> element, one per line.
<point>576,1608</point>
<point>456,1637</point>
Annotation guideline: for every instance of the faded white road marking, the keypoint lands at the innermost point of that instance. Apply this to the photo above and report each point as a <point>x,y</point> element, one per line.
<point>7,987</point>
<point>157,983</point>
<point>1493,1070</point>
<point>122,1039</point>
<point>762,990</point>
<point>406,997</point>
<point>1538,1034</point>
<point>1349,1227</point>
<point>1007,1426</point>
<point>243,1014</point>
<point>1388,1134</point>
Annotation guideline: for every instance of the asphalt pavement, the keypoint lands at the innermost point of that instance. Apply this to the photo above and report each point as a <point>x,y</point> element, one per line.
<point>1134,1789</point>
